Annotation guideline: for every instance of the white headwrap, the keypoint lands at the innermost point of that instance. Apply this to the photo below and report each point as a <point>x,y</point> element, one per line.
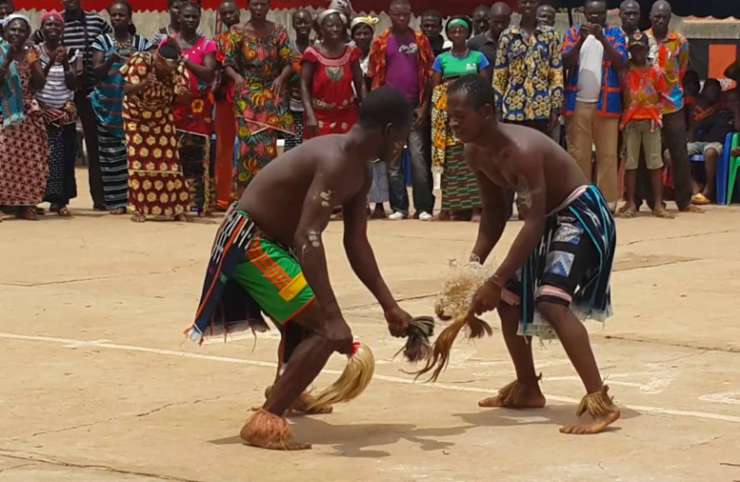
<point>15,16</point>
<point>344,6</point>
<point>330,11</point>
<point>370,21</point>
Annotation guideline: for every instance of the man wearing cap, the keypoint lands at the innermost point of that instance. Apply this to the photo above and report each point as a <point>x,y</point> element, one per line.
<point>641,122</point>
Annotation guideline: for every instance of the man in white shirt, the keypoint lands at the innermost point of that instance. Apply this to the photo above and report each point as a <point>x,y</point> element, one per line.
<point>593,54</point>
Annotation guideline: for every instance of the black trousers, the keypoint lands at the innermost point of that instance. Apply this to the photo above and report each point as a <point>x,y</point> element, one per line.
<point>90,130</point>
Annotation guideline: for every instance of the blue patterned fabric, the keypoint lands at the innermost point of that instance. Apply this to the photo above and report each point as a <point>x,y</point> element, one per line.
<point>592,299</point>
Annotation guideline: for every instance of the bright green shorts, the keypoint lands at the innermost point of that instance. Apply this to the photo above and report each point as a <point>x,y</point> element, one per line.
<point>273,277</point>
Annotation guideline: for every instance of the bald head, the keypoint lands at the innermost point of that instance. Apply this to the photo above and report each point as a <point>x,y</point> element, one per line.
<point>660,17</point>
<point>629,13</point>
<point>500,8</point>
<point>661,5</point>
<point>499,19</point>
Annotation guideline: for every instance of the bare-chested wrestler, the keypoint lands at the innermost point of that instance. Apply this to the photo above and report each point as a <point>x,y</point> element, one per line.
<point>558,267</point>
<point>270,247</point>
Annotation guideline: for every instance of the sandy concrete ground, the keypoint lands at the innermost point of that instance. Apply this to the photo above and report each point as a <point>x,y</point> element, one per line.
<point>100,385</point>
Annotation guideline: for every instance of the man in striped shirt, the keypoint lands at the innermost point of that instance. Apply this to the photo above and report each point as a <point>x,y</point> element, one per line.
<point>80,29</point>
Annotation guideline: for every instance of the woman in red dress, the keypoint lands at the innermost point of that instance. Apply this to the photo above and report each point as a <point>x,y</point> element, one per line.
<point>331,79</point>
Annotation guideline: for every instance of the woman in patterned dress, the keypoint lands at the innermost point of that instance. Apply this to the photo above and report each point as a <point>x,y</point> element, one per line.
<point>63,68</point>
<point>24,151</point>
<point>460,198</point>
<point>330,76</point>
<point>156,186</point>
<point>110,52</point>
<point>259,59</point>
<point>194,113</point>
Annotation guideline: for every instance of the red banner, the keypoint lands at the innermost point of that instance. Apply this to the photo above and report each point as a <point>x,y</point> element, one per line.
<point>445,7</point>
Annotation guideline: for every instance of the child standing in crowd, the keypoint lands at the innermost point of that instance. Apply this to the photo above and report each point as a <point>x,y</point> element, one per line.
<point>644,86</point>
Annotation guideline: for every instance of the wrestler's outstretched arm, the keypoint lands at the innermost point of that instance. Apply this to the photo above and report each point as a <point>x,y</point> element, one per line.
<point>495,203</point>
<point>532,204</point>
<point>362,259</point>
<point>308,244</point>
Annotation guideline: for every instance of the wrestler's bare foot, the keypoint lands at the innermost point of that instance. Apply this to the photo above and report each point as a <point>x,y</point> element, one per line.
<point>268,431</point>
<point>516,395</point>
<point>600,407</point>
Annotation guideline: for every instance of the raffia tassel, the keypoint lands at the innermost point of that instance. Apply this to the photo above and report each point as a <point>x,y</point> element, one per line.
<point>511,393</point>
<point>265,428</point>
<point>597,404</point>
<point>351,383</point>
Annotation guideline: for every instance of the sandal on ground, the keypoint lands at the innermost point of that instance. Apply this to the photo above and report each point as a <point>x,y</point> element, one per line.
<point>661,212</point>
<point>28,212</point>
<point>117,211</point>
<point>138,217</point>
<point>691,208</point>
<point>626,211</point>
<point>699,199</point>
<point>64,212</point>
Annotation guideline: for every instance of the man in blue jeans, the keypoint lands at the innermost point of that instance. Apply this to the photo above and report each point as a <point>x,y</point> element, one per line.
<point>402,58</point>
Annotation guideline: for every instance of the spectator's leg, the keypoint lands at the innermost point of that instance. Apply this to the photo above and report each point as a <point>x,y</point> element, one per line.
<point>632,143</point>
<point>421,167</point>
<point>579,131</point>
<point>674,134</point>
<point>652,143</point>
<point>711,156</point>
<point>606,137</point>
<point>90,129</point>
<point>399,198</point>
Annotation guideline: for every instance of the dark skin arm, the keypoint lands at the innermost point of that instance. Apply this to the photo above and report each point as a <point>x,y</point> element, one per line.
<point>102,65</point>
<point>362,259</point>
<point>307,242</point>
<point>533,202</point>
<point>205,72</point>
<point>358,80</point>
<point>493,217</point>
<point>38,77</point>
<point>614,55</point>
<point>307,71</point>
<point>570,59</point>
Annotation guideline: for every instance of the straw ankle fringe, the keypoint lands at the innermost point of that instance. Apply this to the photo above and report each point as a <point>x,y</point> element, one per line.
<point>351,383</point>
<point>264,428</point>
<point>509,394</point>
<point>597,404</point>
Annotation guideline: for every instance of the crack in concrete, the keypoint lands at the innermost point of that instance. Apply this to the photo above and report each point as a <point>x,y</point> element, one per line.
<point>730,349</point>
<point>682,236</point>
<point>6,469</point>
<point>22,284</point>
<point>122,417</point>
<point>49,460</point>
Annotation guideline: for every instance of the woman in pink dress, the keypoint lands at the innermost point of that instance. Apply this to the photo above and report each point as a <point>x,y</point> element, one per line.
<point>194,112</point>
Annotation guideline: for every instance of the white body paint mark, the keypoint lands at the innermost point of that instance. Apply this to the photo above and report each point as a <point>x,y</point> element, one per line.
<point>403,381</point>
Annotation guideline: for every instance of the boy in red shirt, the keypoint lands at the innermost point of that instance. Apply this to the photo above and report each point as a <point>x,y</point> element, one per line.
<point>642,119</point>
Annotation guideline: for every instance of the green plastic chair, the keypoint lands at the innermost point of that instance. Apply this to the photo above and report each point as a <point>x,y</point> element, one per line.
<point>734,166</point>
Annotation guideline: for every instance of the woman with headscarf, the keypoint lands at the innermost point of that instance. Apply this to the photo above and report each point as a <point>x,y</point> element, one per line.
<point>259,59</point>
<point>460,196</point>
<point>331,79</point>
<point>62,68</point>
<point>173,9</point>
<point>194,112</point>
<point>110,52</point>
<point>362,30</point>
<point>156,186</point>
<point>24,149</point>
